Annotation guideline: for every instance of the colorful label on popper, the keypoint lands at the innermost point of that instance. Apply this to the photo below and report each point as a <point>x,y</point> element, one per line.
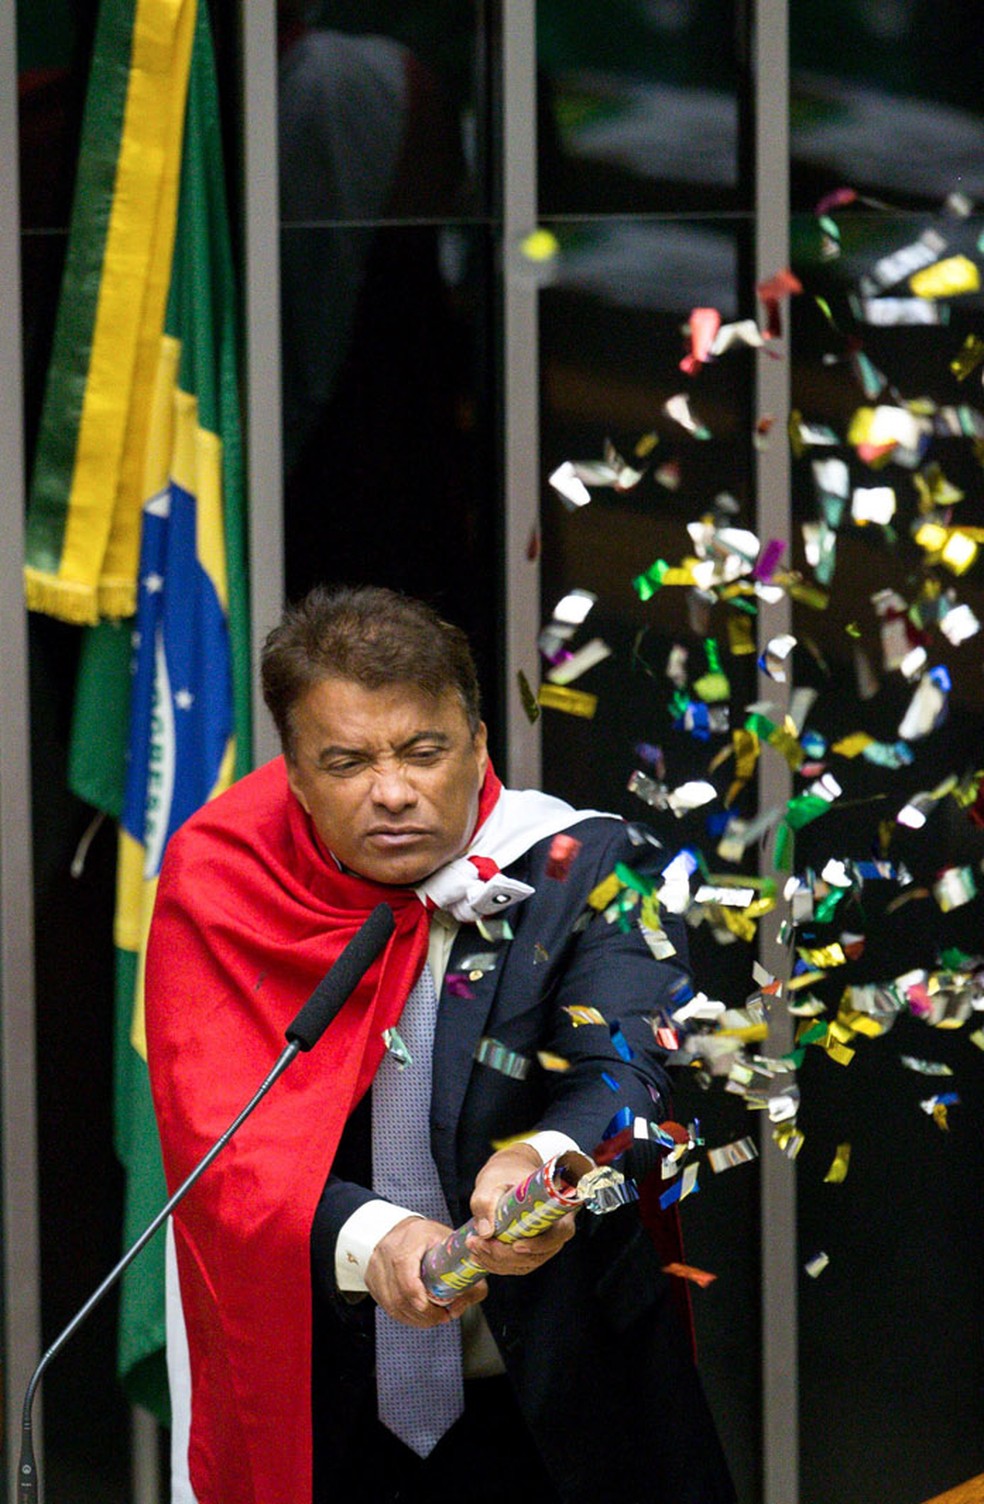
<point>557,1188</point>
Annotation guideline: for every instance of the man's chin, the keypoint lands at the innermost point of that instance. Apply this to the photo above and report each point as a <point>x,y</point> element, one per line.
<point>396,872</point>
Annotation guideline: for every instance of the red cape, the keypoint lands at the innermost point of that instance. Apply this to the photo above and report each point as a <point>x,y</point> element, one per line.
<point>250,914</point>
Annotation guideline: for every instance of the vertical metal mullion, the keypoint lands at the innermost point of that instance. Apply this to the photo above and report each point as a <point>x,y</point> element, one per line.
<point>18,1111</point>
<point>521,383</point>
<point>780,1417</point>
<point>261,303</point>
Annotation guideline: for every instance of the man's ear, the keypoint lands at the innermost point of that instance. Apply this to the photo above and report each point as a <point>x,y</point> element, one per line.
<point>480,743</point>
<point>295,784</point>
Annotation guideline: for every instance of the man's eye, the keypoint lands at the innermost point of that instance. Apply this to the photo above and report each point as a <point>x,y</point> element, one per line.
<point>424,754</point>
<point>345,766</point>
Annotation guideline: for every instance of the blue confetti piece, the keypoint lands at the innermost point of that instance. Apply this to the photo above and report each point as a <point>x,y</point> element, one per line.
<point>622,1119</point>
<point>610,1082</point>
<point>620,1042</point>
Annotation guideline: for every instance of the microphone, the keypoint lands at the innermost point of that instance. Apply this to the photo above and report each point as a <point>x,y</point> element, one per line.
<point>324,1005</point>
<point>326,1001</point>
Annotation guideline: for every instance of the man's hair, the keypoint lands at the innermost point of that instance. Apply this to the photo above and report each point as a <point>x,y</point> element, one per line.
<point>371,636</point>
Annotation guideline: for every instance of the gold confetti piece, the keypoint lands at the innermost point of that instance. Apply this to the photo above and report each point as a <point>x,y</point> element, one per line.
<point>805,979</point>
<point>959,551</point>
<point>751,1034</point>
<point>788,1138</point>
<point>572,701</point>
<point>582,1013</point>
<point>905,898</point>
<point>528,698</point>
<point>815,1266</point>
<point>822,955</point>
<point>551,1062</point>
<point>861,1023</point>
<point>946,279</point>
<point>968,358</point>
<point>850,746</point>
<point>687,1271</point>
<point>600,897</point>
<point>839,1053</point>
<point>939,1117</point>
<point>741,636</point>
<point>839,1165</point>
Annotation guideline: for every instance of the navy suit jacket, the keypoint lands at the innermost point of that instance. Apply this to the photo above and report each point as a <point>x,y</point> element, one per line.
<point>591,1339</point>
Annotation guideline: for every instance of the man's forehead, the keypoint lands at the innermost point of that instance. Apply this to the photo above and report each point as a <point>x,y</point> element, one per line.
<point>399,710</point>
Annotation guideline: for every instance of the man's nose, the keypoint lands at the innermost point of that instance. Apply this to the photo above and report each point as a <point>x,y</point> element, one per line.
<point>392,787</point>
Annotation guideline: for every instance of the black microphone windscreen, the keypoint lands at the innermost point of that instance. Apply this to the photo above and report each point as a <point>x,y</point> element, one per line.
<point>331,993</point>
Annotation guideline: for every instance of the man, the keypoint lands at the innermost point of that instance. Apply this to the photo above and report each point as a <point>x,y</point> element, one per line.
<point>299,1252</point>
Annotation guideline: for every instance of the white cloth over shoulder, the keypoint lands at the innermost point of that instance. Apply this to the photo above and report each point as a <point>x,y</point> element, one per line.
<point>520,818</point>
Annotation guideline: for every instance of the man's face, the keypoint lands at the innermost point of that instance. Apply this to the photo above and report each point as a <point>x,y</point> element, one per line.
<point>390,777</point>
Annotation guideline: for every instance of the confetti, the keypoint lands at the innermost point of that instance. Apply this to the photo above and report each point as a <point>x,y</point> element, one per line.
<point>740,1152</point>
<point>582,1014</point>
<point>703,327</point>
<point>685,1185</point>
<point>563,851</point>
<point>925,1067</point>
<point>395,1046</point>
<point>572,701</point>
<point>620,1042</point>
<point>499,1057</point>
<point>551,1062</point>
<point>687,1271</point>
<point>947,279</point>
<point>839,1165</point>
<point>530,705</point>
<point>578,663</point>
<point>816,1265</point>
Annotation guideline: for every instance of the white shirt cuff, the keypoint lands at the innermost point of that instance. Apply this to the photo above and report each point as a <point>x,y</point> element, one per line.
<point>359,1236</point>
<point>550,1141</point>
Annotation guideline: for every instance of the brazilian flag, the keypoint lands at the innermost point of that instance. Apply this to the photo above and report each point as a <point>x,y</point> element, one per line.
<point>162,703</point>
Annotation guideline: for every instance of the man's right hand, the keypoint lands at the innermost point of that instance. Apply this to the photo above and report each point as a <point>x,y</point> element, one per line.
<point>393,1275</point>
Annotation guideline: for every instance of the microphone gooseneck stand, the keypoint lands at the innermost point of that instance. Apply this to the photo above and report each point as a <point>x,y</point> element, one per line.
<point>307,1028</point>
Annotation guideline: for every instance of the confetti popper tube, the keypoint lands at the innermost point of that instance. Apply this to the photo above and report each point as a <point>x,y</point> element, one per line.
<point>529,1208</point>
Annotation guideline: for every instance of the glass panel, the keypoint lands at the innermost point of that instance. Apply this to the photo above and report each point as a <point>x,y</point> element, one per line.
<point>637,112</point>
<point>379,110</point>
<point>886,104</point>
<point>388,407</point>
<point>388,417</point>
<point>612,315</point>
<point>886,99</point>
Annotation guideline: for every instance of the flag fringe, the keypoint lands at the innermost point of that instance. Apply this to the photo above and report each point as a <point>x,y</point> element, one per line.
<point>65,599</point>
<point>117,598</point>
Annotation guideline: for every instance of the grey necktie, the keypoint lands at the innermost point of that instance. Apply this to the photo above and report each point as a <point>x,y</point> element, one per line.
<point>418,1371</point>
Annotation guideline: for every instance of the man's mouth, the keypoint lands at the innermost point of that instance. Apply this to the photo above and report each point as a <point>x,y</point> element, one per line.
<point>396,835</point>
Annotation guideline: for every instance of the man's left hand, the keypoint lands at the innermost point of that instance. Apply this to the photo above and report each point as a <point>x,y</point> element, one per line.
<point>498,1175</point>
